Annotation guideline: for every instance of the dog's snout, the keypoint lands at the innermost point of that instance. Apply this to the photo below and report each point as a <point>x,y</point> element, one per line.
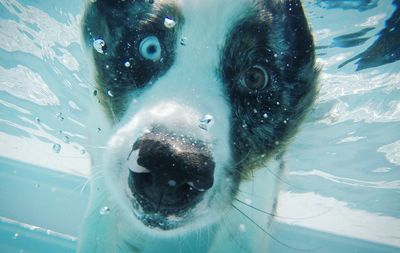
<point>176,171</point>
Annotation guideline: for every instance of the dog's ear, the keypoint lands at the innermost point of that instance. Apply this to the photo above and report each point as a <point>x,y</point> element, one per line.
<point>289,24</point>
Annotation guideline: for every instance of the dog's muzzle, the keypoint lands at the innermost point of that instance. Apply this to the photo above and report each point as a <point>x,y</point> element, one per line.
<point>169,172</point>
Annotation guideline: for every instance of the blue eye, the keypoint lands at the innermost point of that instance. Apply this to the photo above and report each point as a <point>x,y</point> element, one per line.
<point>150,48</point>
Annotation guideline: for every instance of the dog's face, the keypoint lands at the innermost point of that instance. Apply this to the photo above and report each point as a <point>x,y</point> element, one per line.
<point>200,93</point>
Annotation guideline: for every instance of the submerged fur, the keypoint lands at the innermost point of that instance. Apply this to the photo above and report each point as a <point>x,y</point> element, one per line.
<point>200,72</point>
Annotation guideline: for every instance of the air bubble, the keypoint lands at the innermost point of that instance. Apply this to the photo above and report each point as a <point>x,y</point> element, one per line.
<point>206,122</point>
<point>110,93</point>
<point>127,64</point>
<point>99,45</point>
<point>183,41</point>
<point>66,139</point>
<point>37,120</point>
<point>265,116</point>
<point>59,116</point>
<point>172,183</point>
<point>169,22</point>
<point>95,93</point>
<point>15,236</point>
<point>56,148</point>
<point>242,228</point>
<point>104,210</point>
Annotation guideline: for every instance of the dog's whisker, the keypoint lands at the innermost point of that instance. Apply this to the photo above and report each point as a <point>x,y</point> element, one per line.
<point>270,234</point>
<point>83,187</point>
<point>255,208</point>
<point>134,146</point>
<point>285,217</point>
<point>232,236</point>
<point>80,187</point>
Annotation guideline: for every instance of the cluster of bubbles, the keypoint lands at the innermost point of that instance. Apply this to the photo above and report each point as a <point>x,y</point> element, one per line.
<point>56,147</point>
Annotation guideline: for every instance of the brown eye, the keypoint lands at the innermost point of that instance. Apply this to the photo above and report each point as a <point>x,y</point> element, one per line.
<point>254,78</point>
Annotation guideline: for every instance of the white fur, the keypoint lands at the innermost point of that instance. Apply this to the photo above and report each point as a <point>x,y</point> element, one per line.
<point>188,91</point>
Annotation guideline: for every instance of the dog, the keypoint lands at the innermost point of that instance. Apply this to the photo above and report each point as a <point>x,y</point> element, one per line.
<point>192,99</point>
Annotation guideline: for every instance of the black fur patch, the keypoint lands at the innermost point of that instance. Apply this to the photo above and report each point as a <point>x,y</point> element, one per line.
<point>123,25</point>
<point>276,36</point>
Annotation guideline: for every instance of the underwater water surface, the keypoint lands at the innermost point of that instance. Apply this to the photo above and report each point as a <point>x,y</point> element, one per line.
<point>341,189</point>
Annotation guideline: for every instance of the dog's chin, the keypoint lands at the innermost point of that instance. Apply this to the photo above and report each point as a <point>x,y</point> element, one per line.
<point>167,225</point>
<point>166,219</point>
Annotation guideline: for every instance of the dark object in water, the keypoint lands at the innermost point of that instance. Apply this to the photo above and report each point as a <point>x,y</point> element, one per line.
<point>361,5</point>
<point>385,49</point>
<point>351,39</point>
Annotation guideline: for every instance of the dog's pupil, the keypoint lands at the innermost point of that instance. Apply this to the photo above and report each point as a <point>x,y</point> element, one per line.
<point>254,78</point>
<point>151,49</point>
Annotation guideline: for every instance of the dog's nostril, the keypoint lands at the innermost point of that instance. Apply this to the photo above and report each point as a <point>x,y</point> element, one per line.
<point>178,172</point>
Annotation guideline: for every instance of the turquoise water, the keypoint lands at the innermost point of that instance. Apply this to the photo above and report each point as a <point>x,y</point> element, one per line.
<point>342,185</point>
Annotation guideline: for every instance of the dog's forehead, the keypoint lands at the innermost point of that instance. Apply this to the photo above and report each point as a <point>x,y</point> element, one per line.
<point>205,18</point>
<point>206,25</point>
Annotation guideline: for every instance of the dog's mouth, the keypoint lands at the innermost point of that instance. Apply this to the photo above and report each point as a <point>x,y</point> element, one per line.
<point>168,177</point>
<point>172,206</point>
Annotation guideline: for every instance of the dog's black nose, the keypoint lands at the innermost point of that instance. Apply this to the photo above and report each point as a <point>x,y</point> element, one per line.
<point>177,171</point>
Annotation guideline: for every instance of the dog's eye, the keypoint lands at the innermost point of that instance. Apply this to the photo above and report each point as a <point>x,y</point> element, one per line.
<point>254,78</point>
<point>150,48</point>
